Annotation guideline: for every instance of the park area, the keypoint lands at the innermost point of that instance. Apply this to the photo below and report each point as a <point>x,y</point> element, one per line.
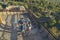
<point>40,20</point>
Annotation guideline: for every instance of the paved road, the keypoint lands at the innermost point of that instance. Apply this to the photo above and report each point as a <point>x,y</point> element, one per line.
<point>35,34</point>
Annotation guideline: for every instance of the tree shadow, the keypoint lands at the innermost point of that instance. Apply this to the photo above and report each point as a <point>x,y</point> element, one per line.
<point>4,27</point>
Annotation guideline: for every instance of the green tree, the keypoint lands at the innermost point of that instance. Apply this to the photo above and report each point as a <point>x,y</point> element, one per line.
<point>4,6</point>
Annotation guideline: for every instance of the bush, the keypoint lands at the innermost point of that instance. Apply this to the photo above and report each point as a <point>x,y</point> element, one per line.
<point>54,31</point>
<point>26,6</point>
<point>50,7</point>
<point>0,3</point>
<point>20,3</point>
<point>4,6</point>
<point>10,3</point>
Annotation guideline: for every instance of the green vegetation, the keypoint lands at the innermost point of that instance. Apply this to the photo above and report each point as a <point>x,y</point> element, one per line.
<point>43,8</point>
